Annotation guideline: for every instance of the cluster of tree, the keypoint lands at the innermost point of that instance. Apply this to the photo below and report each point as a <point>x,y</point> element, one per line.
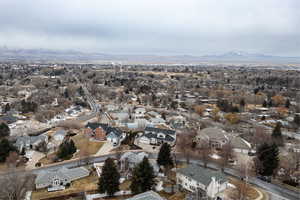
<point>225,106</point>
<point>15,184</point>
<point>267,159</point>
<point>297,120</point>
<point>232,118</point>
<point>28,106</point>
<point>109,179</point>
<point>142,178</point>
<point>5,148</point>
<point>4,130</point>
<point>164,156</point>
<point>66,149</point>
<point>5,145</point>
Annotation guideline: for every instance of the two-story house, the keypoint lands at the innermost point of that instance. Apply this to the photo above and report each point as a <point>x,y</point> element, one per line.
<point>194,178</point>
<point>157,136</point>
<point>105,132</point>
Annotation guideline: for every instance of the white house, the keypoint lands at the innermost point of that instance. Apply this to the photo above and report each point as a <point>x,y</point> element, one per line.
<point>198,179</point>
<point>139,112</point>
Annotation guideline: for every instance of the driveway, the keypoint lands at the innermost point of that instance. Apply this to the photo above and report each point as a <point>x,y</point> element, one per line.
<point>34,157</point>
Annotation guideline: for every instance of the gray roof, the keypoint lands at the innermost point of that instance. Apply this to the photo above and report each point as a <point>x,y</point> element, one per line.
<point>240,143</point>
<point>202,175</point>
<point>150,195</point>
<point>134,157</point>
<point>213,133</point>
<point>45,177</point>
<point>29,140</point>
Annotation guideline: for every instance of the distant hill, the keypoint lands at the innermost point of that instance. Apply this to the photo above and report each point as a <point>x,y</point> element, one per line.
<point>8,54</point>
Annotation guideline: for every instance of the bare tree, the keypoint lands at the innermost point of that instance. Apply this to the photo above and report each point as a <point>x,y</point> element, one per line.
<point>184,144</point>
<point>15,184</point>
<point>260,136</point>
<point>203,151</point>
<point>12,159</point>
<point>241,186</point>
<point>226,154</point>
<point>290,163</point>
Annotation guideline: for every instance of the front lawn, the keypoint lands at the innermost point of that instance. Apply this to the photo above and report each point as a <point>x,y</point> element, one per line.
<point>85,184</point>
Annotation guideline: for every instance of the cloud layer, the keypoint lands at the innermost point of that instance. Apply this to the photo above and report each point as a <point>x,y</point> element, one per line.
<point>158,26</point>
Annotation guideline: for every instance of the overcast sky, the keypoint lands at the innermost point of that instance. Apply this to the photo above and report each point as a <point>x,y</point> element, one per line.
<point>195,27</point>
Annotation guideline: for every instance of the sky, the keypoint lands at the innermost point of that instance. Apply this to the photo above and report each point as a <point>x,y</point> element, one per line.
<point>160,27</point>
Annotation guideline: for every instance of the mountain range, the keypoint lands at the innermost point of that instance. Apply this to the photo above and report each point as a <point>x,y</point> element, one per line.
<point>9,54</point>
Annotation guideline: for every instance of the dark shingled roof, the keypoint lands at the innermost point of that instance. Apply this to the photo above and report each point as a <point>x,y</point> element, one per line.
<point>159,130</point>
<point>108,129</point>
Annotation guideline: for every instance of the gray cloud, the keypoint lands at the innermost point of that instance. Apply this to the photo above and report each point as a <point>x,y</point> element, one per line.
<point>142,26</point>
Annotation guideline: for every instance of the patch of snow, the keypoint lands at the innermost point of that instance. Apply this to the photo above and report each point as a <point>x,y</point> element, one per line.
<point>231,185</point>
<point>215,156</point>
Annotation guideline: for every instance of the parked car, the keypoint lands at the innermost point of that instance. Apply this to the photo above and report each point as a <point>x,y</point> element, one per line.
<point>265,178</point>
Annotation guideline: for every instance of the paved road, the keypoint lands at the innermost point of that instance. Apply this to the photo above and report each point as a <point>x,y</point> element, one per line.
<point>276,192</point>
<point>95,108</point>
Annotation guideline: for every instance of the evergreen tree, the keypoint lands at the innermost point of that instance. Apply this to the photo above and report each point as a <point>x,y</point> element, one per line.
<point>287,103</point>
<point>6,108</point>
<point>277,130</point>
<point>66,149</point>
<point>164,156</point>
<point>268,158</point>
<point>109,179</point>
<point>265,104</point>
<point>297,120</point>
<point>142,177</point>
<point>4,130</point>
<point>270,103</point>
<point>5,148</point>
<point>242,103</point>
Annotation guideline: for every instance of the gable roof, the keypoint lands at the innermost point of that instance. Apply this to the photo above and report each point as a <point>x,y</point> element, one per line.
<point>240,143</point>
<point>45,177</point>
<point>213,133</point>
<point>150,195</point>
<point>134,157</point>
<point>29,140</point>
<point>202,175</point>
<point>108,129</point>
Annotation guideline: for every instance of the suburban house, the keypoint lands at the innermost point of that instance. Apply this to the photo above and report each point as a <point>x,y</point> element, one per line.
<point>58,179</point>
<point>130,159</point>
<point>157,121</point>
<point>198,179</point>
<point>215,136</point>
<point>157,136</point>
<point>59,135</point>
<point>139,112</point>
<point>30,142</point>
<point>150,195</point>
<point>177,122</point>
<point>105,132</point>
